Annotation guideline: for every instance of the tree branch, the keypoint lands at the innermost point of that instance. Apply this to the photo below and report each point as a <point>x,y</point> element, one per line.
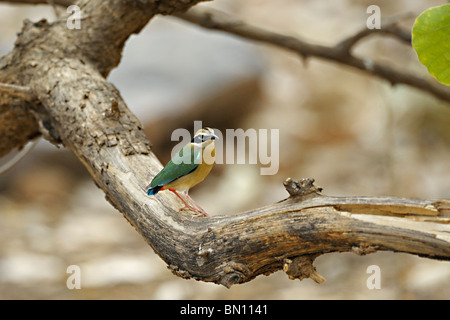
<point>79,108</point>
<point>17,124</point>
<point>17,91</point>
<point>340,53</point>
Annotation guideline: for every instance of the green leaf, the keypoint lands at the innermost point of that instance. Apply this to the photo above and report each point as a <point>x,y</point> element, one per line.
<point>431,40</point>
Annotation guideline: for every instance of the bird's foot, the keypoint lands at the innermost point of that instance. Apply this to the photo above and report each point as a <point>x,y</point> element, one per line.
<point>195,208</point>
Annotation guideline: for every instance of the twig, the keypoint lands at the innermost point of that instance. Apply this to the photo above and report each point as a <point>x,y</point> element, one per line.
<point>389,26</point>
<point>340,53</point>
<point>390,29</point>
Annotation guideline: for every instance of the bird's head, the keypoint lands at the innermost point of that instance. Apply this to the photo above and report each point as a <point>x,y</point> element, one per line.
<point>204,137</point>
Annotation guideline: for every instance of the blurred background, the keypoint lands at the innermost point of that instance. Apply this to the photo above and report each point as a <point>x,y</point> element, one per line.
<point>354,134</point>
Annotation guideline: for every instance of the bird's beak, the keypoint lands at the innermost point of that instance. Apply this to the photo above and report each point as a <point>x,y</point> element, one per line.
<point>214,137</point>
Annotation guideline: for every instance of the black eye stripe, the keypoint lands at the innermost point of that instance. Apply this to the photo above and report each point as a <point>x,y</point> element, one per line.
<point>199,138</point>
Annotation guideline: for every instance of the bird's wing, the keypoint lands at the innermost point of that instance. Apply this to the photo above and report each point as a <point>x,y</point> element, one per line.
<point>174,170</point>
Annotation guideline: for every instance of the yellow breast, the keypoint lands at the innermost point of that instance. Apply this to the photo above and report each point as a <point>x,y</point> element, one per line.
<point>198,175</point>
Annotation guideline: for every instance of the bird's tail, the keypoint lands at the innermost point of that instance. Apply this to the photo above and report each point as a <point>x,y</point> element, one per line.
<point>154,190</point>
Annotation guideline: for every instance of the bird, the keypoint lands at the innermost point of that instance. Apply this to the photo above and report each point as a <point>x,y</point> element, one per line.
<point>187,168</point>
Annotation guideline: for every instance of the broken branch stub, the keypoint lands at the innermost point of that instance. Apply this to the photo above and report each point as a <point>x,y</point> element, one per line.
<point>303,187</point>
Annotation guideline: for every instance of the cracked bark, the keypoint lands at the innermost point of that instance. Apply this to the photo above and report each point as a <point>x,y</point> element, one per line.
<point>74,105</point>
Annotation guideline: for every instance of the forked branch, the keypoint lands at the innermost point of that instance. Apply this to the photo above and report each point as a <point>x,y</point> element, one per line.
<point>339,53</point>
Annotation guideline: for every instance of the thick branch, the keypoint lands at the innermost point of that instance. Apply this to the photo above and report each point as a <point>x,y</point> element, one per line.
<point>17,91</point>
<point>105,27</point>
<point>340,53</point>
<point>17,124</point>
<point>78,107</point>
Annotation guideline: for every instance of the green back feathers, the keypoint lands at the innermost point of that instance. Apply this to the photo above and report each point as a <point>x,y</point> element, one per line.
<point>180,165</point>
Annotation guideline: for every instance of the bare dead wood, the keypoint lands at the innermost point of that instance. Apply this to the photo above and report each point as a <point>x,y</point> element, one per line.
<point>77,107</point>
<point>106,26</point>
<point>17,124</point>
<point>18,91</point>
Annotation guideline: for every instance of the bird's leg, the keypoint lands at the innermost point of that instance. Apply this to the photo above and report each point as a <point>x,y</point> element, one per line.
<point>188,206</point>
<point>199,209</point>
